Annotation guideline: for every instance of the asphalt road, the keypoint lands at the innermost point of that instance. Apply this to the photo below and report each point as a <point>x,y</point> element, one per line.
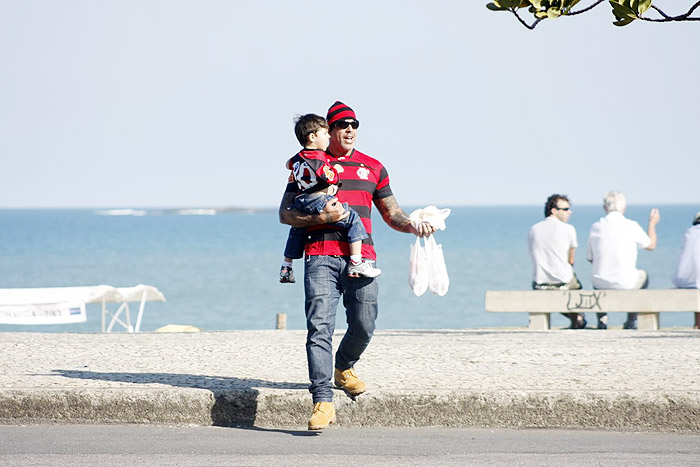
<point>151,446</point>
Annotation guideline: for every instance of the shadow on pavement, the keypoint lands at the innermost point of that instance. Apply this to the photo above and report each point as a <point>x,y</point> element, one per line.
<point>302,433</point>
<point>235,399</point>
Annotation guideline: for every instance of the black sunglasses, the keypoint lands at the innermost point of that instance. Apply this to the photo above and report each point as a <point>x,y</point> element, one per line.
<point>563,209</point>
<point>343,124</point>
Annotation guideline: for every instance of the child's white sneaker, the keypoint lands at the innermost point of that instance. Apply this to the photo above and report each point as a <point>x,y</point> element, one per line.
<point>362,269</point>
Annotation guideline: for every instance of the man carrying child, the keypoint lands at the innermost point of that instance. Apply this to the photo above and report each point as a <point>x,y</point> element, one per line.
<point>365,181</point>
<point>318,182</point>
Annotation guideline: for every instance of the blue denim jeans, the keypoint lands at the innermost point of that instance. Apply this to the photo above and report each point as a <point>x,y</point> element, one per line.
<point>325,280</point>
<point>314,203</point>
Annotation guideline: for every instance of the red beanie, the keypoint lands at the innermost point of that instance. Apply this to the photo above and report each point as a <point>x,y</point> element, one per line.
<point>339,111</point>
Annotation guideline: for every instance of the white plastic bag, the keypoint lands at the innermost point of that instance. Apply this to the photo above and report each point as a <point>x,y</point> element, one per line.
<point>431,214</point>
<point>439,280</point>
<point>427,270</point>
<point>418,269</point>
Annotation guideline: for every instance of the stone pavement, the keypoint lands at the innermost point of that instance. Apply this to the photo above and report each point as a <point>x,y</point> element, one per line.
<point>614,379</point>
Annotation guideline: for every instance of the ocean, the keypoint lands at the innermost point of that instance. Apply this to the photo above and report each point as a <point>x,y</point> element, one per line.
<point>219,269</point>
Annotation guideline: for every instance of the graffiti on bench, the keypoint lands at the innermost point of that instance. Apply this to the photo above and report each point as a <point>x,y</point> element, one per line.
<point>581,301</point>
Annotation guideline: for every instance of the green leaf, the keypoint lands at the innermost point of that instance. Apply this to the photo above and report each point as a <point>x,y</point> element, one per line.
<point>623,22</point>
<point>624,14</point>
<point>644,5</point>
<point>504,4</point>
<point>567,5</point>
<point>553,13</point>
<point>621,11</point>
<point>624,3</point>
<point>493,7</point>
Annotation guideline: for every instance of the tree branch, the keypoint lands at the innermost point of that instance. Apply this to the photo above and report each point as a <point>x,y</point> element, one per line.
<point>590,7</point>
<point>692,9</point>
<point>666,18</point>
<point>522,21</point>
<point>658,10</point>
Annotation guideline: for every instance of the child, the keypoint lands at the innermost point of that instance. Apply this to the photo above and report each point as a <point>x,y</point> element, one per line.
<point>319,182</point>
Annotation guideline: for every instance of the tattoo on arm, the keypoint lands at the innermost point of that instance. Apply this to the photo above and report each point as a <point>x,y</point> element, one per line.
<point>392,214</point>
<point>285,205</point>
<point>290,216</point>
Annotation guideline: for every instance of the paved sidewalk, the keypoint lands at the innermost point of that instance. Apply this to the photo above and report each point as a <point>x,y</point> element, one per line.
<point>624,380</point>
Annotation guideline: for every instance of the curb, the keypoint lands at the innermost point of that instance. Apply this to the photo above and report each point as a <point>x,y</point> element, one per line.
<point>266,408</point>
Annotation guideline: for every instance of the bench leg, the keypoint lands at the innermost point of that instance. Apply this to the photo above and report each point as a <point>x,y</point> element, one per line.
<point>648,321</point>
<point>538,321</point>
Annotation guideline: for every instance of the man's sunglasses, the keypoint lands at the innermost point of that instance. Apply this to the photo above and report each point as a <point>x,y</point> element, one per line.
<point>343,124</point>
<point>563,209</point>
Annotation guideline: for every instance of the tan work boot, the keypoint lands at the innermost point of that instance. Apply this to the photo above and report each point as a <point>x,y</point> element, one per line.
<point>348,381</point>
<point>324,415</point>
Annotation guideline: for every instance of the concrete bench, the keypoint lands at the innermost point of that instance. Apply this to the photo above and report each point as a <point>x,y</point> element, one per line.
<point>540,303</point>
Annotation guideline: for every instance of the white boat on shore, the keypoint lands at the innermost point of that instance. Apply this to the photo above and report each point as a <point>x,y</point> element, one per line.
<point>197,212</point>
<point>122,212</point>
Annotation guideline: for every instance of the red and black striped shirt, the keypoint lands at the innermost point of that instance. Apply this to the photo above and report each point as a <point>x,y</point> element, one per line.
<point>364,179</point>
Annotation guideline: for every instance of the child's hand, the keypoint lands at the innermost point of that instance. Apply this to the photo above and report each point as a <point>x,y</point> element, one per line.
<point>334,211</point>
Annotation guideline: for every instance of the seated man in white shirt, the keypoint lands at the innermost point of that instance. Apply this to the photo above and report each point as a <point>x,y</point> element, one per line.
<point>687,273</point>
<point>552,244</point>
<point>612,249</point>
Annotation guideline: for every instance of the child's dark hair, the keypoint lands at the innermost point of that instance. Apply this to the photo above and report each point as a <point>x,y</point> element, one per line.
<point>304,125</point>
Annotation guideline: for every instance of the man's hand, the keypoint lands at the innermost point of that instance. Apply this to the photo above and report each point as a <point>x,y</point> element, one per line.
<point>654,216</point>
<point>423,229</point>
<point>398,220</point>
<point>334,211</point>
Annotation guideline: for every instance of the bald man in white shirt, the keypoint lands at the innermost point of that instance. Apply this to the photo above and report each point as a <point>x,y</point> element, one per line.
<point>612,249</point>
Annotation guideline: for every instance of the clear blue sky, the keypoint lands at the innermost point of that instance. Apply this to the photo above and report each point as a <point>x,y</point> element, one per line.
<point>171,103</point>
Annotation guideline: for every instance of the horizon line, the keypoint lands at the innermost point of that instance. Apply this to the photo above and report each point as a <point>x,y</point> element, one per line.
<point>265,208</point>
